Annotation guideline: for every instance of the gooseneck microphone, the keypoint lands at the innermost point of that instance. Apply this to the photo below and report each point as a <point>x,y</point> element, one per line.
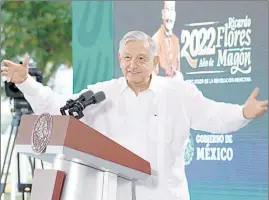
<point>76,110</point>
<point>70,103</point>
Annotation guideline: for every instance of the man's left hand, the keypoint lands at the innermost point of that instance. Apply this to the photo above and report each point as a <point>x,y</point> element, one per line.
<point>254,108</point>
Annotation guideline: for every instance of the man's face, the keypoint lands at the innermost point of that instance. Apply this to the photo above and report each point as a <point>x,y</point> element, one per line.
<point>169,15</point>
<point>136,61</point>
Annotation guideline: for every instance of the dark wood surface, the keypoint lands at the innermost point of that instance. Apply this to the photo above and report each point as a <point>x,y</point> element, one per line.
<point>72,133</point>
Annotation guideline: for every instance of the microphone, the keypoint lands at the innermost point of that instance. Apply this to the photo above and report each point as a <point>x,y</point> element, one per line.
<point>70,103</point>
<point>80,106</point>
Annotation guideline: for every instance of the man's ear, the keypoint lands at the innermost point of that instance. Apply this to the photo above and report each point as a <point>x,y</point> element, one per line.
<point>119,58</point>
<point>155,61</point>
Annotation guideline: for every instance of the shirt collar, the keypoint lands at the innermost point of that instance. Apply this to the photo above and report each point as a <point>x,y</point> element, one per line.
<point>166,34</point>
<point>153,84</point>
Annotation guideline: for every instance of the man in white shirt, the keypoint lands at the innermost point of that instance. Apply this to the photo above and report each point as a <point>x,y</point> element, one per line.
<point>141,112</point>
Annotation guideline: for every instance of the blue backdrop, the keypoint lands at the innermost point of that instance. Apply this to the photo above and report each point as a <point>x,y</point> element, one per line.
<point>229,41</point>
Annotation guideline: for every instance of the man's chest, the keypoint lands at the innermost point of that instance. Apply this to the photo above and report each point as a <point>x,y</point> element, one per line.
<point>139,121</point>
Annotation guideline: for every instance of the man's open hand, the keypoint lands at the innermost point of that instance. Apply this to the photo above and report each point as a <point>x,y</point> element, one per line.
<point>15,73</point>
<point>254,108</point>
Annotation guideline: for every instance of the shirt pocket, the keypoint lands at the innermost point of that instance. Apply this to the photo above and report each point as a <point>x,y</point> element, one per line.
<point>160,129</point>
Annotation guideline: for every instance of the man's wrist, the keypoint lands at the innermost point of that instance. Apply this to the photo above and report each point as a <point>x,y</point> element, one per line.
<point>30,86</point>
<point>245,117</point>
<point>243,112</point>
<point>25,78</point>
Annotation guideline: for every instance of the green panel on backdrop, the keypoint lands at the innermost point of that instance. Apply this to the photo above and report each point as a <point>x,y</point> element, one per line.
<point>92,43</point>
<point>231,191</point>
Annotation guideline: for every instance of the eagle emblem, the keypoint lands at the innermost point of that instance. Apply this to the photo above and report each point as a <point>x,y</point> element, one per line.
<point>41,132</point>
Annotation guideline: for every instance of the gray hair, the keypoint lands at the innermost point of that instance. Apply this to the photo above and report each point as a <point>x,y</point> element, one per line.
<point>138,35</point>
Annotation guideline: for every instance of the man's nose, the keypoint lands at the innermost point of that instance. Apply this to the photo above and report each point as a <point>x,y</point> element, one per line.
<point>133,64</point>
<point>170,15</point>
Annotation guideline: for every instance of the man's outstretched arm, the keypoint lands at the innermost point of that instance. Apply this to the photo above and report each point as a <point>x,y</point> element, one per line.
<point>41,98</point>
<point>218,117</point>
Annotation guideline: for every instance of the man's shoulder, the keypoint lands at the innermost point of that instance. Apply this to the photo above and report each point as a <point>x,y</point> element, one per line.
<point>108,85</point>
<point>177,85</point>
<point>168,83</point>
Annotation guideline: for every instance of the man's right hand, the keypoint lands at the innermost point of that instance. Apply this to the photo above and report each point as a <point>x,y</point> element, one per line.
<point>15,73</point>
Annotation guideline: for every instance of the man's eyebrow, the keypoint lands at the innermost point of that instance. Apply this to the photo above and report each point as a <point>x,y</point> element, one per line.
<point>126,53</point>
<point>143,54</point>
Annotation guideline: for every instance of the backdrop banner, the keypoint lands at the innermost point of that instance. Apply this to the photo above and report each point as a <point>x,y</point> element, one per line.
<point>222,47</point>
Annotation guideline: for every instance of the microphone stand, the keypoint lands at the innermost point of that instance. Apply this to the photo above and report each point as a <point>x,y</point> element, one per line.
<point>76,110</point>
<point>68,105</point>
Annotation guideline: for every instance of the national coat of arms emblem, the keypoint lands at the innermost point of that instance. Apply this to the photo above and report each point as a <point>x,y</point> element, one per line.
<point>41,132</point>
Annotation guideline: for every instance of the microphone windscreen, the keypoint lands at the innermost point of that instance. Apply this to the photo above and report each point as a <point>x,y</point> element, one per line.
<point>86,95</point>
<point>99,96</point>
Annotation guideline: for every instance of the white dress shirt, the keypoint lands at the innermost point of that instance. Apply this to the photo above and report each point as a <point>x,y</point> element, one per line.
<point>154,125</point>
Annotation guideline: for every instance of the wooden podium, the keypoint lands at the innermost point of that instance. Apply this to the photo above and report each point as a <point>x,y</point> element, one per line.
<point>86,164</point>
